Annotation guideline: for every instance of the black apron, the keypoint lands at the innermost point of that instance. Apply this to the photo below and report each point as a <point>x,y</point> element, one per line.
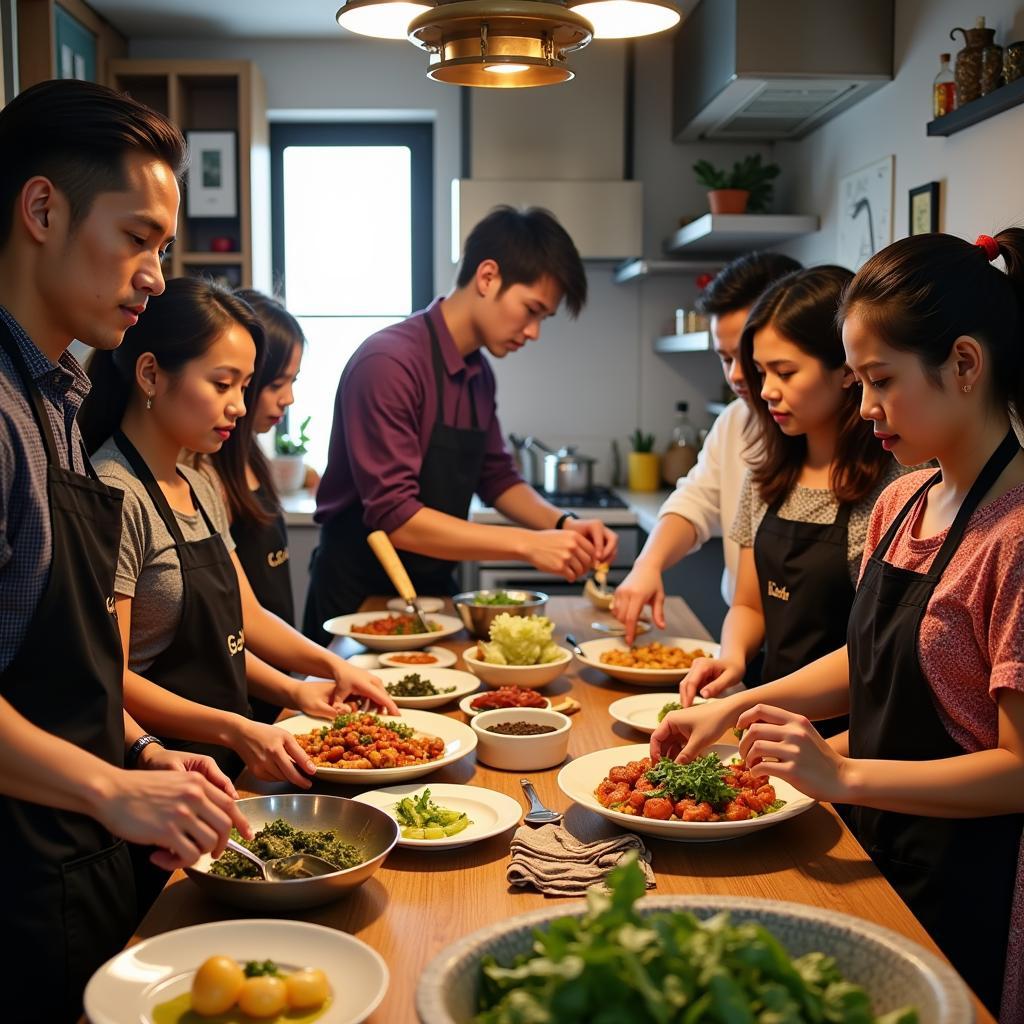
<point>65,881</point>
<point>956,875</point>
<point>262,548</point>
<point>806,593</point>
<point>344,571</point>
<point>205,661</point>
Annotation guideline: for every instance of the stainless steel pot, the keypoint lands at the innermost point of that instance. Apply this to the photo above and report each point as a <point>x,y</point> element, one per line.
<point>565,471</point>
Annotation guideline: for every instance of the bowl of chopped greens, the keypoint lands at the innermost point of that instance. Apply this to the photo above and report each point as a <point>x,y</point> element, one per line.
<point>424,687</point>
<point>479,608</point>
<point>708,959</point>
<point>520,652</point>
<point>354,836</point>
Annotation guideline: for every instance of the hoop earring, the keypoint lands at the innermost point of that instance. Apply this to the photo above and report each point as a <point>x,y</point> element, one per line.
<point>149,401</point>
<point>966,389</point>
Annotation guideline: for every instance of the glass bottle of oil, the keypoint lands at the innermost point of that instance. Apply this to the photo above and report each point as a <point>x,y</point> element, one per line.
<point>944,89</point>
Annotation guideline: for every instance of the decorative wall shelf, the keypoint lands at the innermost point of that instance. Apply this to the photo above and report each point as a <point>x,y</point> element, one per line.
<point>697,341</point>
<point>979,110</point>
<point>719,235</point>
<point>638,270</point>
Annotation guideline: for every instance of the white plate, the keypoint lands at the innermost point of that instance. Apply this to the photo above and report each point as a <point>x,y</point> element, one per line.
<point>459,740</point>
<point>445,658</point>
<point>342,625</point>
<point>490,813</point>
<point>640,711</point>
<point>579,778</point>
<point>593,649</point>
<point>129,986</point>
<point>428,605</point>
<point>464,704</point>
<point>368,661</point>
<point>442,678</point>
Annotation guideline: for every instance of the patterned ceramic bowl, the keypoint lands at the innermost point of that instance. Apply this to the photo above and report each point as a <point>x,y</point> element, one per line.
<point>895,971</point>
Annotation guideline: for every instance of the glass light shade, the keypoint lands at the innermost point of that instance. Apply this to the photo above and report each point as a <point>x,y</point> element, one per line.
<point>626,19</point>
<point>383,19</point>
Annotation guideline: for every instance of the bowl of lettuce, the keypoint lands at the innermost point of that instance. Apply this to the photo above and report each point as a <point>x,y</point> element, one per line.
<point>520,652</point>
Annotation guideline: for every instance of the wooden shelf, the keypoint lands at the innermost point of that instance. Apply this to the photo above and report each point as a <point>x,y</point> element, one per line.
<point>212,259</point>
<point>696,341</point>
<point>638,270</point>
<point>717,234</point>
<point>979,110</point>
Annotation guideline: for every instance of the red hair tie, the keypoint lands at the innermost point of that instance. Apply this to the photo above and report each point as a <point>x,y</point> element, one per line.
<point>989,245</point>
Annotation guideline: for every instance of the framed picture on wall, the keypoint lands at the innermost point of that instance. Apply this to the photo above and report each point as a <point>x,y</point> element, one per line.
<point>211,188</point>
<point>865,213</point>
<point>923,209</point>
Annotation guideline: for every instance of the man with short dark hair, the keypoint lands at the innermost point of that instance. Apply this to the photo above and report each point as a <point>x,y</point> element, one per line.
<point>704,502</point>
<point>416,431</point>
<point>88,204</point>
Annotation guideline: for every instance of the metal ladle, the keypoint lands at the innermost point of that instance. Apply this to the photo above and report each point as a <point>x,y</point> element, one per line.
<point>285,869</point>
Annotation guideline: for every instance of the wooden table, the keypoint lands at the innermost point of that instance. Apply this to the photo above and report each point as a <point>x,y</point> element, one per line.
<point>417,903</point>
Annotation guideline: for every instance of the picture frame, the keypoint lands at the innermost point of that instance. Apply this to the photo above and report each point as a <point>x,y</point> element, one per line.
<point>865,212</point>
<point>923,209</point>
<point>211,189</point>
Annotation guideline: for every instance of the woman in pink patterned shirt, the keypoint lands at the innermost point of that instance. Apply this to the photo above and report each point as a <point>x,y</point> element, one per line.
<point>933,670</point>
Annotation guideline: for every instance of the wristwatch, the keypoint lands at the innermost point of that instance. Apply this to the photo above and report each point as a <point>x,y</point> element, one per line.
<point>132,757</point>
<point>562,518</point>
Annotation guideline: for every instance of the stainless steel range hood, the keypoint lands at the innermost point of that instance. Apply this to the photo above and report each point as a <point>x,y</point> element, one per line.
<point>759,70</point>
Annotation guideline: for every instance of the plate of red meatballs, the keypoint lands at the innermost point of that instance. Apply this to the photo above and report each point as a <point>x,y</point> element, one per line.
<point>714,798</point>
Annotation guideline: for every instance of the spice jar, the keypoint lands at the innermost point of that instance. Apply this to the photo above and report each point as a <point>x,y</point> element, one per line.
<point>1013,62</point>
<point>979,65</point>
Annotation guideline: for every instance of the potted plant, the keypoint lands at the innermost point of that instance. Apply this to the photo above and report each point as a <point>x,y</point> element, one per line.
<point>747,188</point>
<point>288,466</point>
<point>644,463</point>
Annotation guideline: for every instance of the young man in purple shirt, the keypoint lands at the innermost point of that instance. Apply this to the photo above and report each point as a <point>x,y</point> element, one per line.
<point>416,431</point>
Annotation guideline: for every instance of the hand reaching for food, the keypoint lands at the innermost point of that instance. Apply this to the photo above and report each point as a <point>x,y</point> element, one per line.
<point>643,586</point>
<point>709,677</point>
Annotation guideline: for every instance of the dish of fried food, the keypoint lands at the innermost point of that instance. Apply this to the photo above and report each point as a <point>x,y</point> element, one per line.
<point>361,741</point>
<point>653,655</point>
<point>394,625</point>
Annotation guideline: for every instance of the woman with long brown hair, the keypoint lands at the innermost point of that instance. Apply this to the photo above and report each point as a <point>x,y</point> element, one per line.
<point>806,501</point>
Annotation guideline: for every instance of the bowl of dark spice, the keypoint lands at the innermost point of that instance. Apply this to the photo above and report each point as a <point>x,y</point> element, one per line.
<point>521,739</point>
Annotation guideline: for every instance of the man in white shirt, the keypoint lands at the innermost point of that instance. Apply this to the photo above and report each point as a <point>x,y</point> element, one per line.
<point>704,502</point>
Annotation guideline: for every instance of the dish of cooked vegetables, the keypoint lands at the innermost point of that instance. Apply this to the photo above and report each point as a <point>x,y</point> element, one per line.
<point>414,685</point>
<point>226,990</point>
<point>427,687</point>
<point>414,658</point>
<point>705,789</point>
<point>519,640</point>
<point>509,697</point>
<point>499,597</point>
<point>362,747</point>
<point>395,625</point>
<point>421,818</point>
<point>703,801</point>
<point>667,965</point>
<point>485,813</point>
<point>652,655</point>
<point>382,631</point>
<point>279,839</point>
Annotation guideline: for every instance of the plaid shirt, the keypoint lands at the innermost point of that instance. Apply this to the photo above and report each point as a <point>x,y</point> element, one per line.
<point>25,534</point>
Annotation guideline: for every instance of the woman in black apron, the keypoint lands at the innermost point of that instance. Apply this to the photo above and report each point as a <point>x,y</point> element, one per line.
<point>347,569</point>
<point>931,670</point>
<point>795,588</point>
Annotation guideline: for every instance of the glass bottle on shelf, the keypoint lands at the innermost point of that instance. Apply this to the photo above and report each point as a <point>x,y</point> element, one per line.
<point>681,454</point>
<point>944,88</point>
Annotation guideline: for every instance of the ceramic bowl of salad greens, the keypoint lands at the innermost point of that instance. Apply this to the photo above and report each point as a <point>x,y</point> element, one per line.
<point>616,957</point>
<point>478,608</point>
<point>352,835</point>
<point>521,651</point>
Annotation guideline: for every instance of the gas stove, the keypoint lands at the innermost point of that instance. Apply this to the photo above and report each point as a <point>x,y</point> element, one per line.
<point>597,497</point>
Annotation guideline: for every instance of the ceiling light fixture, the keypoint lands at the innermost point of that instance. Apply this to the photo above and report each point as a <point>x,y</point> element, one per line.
<point>505,44</point>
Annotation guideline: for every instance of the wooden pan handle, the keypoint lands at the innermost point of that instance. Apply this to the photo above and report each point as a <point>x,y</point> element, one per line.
<point>380,544</point>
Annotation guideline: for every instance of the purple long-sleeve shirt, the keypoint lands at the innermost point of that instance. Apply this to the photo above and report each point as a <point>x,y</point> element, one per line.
<point>384,412</point>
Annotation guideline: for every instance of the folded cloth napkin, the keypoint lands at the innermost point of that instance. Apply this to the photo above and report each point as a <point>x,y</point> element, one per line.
<point>556,863</point>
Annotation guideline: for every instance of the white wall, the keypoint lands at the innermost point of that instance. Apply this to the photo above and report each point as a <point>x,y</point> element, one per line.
<point>980,168</point>
<point>587,381</point>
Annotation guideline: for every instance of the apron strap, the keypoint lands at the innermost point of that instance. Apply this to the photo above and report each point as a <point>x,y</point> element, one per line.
<point>163,507</point>
<point>440,373</point>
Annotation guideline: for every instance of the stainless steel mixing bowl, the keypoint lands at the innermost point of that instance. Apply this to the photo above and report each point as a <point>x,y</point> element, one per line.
<point>368,829</point>
<point>477,618</point>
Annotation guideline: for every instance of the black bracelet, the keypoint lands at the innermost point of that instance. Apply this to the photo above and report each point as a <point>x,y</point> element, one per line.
<point>132,757</point>
<point>562,518</point>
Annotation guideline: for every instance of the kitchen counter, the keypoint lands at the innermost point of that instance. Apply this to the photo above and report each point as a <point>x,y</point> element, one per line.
<point>417,903</point>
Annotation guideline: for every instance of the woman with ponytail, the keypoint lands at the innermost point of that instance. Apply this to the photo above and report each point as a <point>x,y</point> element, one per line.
<point>193,631</point>
<point>932,673</point>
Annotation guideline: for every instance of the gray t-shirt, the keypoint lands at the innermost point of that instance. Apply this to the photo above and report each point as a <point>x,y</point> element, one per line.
<point>148,570</point>
<point>812,505</point>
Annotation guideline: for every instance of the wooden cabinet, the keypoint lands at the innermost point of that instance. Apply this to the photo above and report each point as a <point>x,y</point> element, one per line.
<point>214,96</point>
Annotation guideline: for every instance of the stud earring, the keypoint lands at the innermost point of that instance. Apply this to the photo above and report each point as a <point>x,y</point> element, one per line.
<point>149,401</point>
<point>966,389</point>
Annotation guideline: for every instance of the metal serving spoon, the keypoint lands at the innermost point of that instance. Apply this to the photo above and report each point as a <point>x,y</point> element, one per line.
<point>538,813</point>
<point>286,869</point>
<point>617,629</point>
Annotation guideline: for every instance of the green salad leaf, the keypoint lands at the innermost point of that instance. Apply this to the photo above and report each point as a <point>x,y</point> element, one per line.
<point>421,818</point>
<point>672,705</point>
<point>703,779</point>
<point>614,965</point>
<point>520,640</point>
